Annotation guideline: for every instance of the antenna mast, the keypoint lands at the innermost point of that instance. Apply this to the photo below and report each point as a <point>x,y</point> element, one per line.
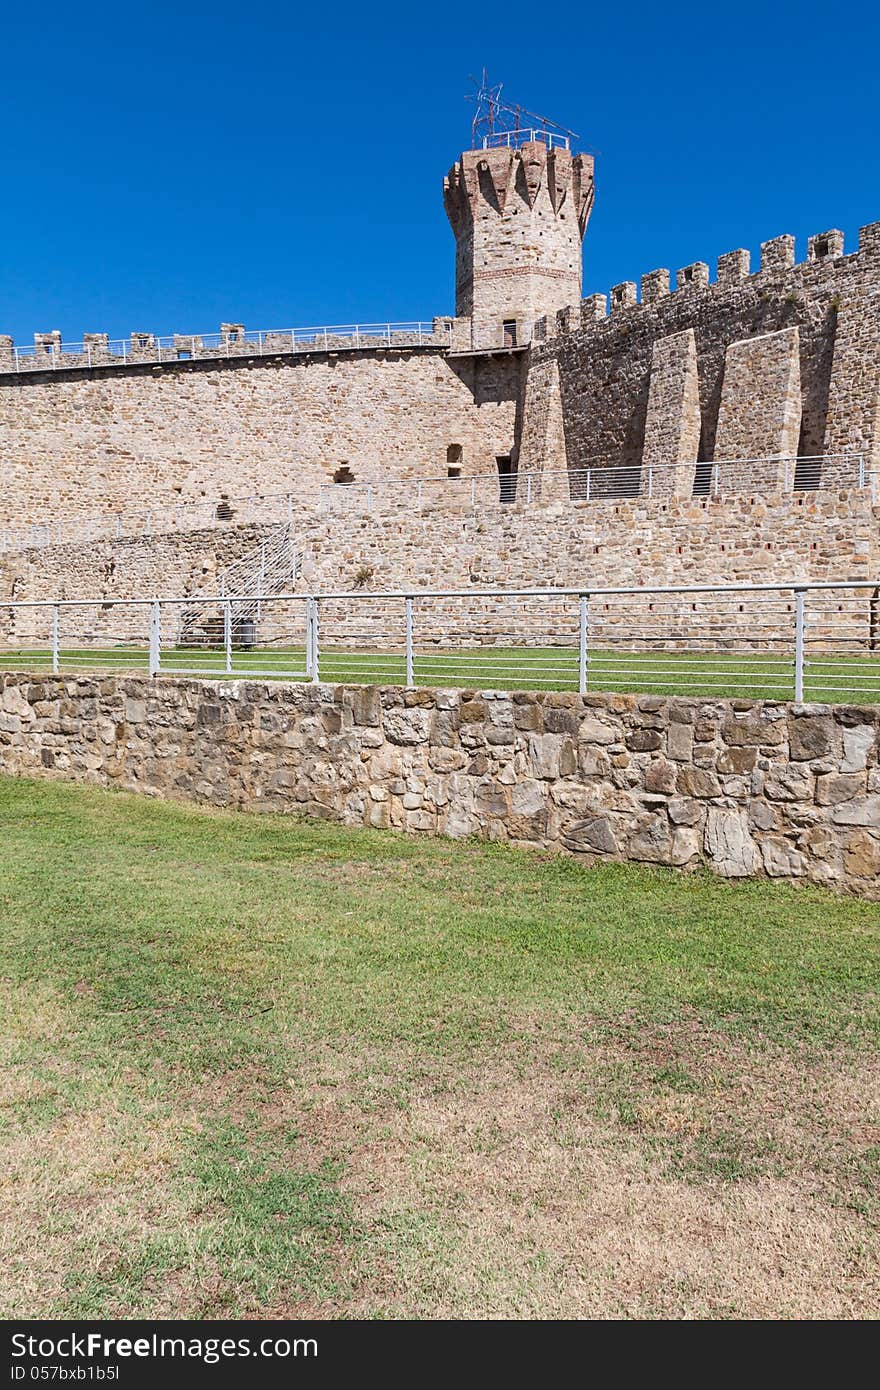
<point>499,122</point>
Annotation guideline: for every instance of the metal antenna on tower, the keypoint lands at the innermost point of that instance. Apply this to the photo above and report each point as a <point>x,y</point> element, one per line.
<point>498,122</point>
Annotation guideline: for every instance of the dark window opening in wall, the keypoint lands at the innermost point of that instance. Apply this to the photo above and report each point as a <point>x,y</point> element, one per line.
<point>508,329</point>
<point>821,247</point>
<point>506,478</point>
<point>454,456</point>
<point>343,474</point>
<point>224,510</point>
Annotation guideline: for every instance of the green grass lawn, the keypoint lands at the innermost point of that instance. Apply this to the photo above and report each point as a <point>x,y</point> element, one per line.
<point>762,675</point>
<point>263,1066</point>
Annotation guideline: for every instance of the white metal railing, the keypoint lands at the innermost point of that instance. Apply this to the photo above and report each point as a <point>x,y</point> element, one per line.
<point>512,139</point>
<point>148,347</point>
<point>272,567</point>
<point>527,487</point>
<point>798,640</point>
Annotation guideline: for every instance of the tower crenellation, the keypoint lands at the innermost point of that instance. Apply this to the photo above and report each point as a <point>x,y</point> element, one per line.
<point>519,213</point>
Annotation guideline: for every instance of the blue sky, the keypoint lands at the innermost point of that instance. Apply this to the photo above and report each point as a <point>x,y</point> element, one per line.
<point>167,166</point>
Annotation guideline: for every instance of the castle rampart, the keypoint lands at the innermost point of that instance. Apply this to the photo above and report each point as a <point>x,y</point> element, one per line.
<point>114,439</point>
<point>656,386</point>
<point>828,535</point>
<point>787,358</point>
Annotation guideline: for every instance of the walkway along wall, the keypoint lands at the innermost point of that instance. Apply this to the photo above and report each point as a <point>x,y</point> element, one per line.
<point>788,791</point>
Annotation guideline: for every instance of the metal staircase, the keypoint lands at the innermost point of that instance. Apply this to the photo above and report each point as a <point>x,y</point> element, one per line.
<point>272,568</point>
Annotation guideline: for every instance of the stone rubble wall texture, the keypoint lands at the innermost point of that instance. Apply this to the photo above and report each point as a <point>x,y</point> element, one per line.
<point>125,439</point>
<point>672,424</point>
<point>823,536</point>
<point>542,446</point>
<point>745,788</point>
<point>760,410</point>
<point>832,302</point>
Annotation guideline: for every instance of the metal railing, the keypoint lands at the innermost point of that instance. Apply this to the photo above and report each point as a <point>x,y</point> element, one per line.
<point>527,487</point>
<point>272,567</point>
<point>512,139</point>
<point>797,640</point>
<point>176,347</point>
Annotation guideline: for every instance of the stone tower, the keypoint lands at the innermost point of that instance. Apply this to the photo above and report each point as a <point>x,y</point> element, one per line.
<point>519,213</point>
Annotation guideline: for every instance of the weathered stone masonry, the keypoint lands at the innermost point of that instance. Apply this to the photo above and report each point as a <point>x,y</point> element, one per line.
<point>814,535</point>
<point>122,439</point>
<point>792,792</point>
<point>787,360</point>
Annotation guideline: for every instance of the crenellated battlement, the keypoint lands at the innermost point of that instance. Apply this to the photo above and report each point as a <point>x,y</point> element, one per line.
<point>50,353</point>
<point>732,270</point>
<point>518,215</point>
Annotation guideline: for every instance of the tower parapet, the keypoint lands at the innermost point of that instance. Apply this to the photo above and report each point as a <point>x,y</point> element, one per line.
<point>519,214</point>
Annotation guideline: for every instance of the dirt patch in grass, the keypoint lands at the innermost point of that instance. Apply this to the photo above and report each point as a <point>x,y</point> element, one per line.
<point>506,1196</point>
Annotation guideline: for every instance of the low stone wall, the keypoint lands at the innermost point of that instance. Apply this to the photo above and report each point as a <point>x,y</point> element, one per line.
<point>791,791</point>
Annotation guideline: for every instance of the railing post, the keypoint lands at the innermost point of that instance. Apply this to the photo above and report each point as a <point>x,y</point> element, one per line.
<point>55,640</point>
<point>650,481</point>
<point>420,493</point>
<point>583,613</point>
<point>227,634</point>
<point>799,597</point>
<point>587,497</point>
<point>316,655</point>
<point>155,638</point>
<point>473,494</point>
<point>528,489</point>
<point>409,640</point>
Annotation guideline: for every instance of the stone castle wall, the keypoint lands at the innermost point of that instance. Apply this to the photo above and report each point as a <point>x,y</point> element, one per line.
<point>121,439</point>
<point>819,536</point>
<point>631,542</point>
<point>787,361</point>
<point>792,792</point>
